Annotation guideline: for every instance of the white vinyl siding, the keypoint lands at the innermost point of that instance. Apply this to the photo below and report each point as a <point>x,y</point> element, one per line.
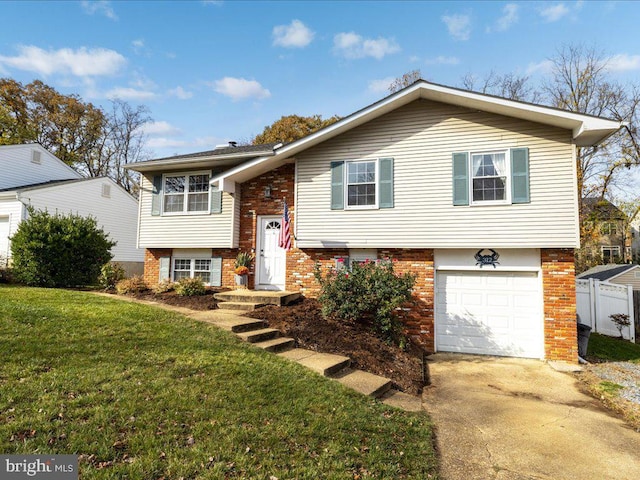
<point>422,137</point>
<point>116,215</point>
<point>12,211</point>
<point>19,170</point>
<point>184,231</point>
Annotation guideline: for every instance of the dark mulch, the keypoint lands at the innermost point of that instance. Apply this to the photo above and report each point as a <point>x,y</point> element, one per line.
<point>304,322</point>
<point>198,302</point>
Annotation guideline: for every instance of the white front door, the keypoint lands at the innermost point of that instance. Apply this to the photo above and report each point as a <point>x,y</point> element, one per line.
<point>489,313</point>
<point>271,259</point>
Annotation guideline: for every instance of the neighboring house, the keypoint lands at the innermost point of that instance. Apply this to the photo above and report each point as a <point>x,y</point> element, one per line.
<point>634,228</point>
<point>476,195</point>
<point>610,239</point>
<point>33,177</point>
<point>618,274</point>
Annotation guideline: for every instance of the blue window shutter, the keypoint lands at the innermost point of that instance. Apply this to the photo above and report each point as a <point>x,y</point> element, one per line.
<point>165,268</point>
<point>520,175</point>
<point>156,195</point>
<point>337,185</point>
<point>216,272</point>
<point>386,183</point>
<point>461,178</point>
<point>216,199</point>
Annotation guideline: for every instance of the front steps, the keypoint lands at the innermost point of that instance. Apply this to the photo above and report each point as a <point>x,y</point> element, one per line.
<point>257,333</point>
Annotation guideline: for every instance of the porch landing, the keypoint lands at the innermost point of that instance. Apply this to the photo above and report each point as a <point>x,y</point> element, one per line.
<point>258,297</point>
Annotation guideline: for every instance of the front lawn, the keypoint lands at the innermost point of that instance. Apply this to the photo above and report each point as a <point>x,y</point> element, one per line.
<point>143,393</point>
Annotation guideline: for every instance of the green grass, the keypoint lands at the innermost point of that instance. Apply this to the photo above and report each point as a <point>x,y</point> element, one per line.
<point>611,349</point>
<point>142,393</point>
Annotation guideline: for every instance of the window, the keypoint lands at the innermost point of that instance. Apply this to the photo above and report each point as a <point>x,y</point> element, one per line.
<point>489,177</point>
<point>188,193</point>
<point>192,268</point>
<point>610,253</point>
<point>361,184</point>
<point>609,228</point>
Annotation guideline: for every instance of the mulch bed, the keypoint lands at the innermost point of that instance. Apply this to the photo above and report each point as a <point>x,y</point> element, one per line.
<point>304,322</point>
<point>197,302</point>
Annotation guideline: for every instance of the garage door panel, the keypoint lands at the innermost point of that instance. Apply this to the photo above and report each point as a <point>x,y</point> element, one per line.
<point>495,313</point>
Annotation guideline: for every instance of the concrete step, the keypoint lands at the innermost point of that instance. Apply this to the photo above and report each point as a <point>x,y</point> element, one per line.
<point>258,296</point>
<point>402,400</point>
<point>276,344</point>
<point>240,306</point>
<point>364,382</point>
<point>255,336</point>
<point>248,325</point>
<point>325,364</point>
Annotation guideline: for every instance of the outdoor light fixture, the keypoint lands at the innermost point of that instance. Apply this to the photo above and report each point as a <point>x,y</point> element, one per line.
<point>267,191</point>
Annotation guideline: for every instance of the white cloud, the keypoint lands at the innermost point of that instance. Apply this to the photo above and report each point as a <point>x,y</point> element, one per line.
<point>295,35</point>
<point>554,12</point>
<point>442,60</point>
<point>217,3</point>
<point>138,46</point>
<point>351,45</point>
<point>102,7</point>
<point>180,93</point>
<point>381,85</point>
<point>414,59</point>
<point>544,67</point>
<point>163,142</point>
<point>160,128</point>
<point>508,18</point>
<point>623,62</point>
<point>128,93</point>
<point>82,62</point>
<point>241,88</point>
<point>459,26</point>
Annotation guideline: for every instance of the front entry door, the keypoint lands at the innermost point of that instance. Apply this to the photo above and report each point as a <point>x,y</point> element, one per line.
<point>271,259</point>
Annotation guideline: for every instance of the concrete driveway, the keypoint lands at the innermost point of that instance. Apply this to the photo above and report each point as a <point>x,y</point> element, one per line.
<point>514,419</point>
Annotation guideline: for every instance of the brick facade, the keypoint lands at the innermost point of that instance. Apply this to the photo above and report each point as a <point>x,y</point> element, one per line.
<point>559,288</point>
<point>558,274</point>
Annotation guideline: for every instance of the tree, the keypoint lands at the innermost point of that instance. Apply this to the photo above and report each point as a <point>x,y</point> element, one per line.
<point>292,127</point>
<point>405,80</point>
<point>511,86</point>
<point>59,250</point>
<point>94,142</point>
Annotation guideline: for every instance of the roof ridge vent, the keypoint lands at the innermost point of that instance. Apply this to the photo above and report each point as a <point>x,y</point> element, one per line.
<point>229,144</point>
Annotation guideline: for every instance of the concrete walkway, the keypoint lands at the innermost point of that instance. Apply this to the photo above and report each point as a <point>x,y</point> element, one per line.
<point>513,419</point>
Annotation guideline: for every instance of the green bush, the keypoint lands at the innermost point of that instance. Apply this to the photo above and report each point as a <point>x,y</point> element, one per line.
<point>369,293</point>
<point>110,274</point>
<point>135,284</point>
<point>190,287</point>
<point>59,250</point>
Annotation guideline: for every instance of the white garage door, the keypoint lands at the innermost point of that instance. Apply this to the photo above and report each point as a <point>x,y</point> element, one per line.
<point>4,238</point>
<point>490,313</point>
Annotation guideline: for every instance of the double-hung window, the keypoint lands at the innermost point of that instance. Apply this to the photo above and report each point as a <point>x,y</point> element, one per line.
<point>361,184</point>
<point>489,177</point>
<point>186,193</point>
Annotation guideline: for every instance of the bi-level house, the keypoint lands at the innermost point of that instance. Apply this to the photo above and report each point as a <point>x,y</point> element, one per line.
<point>474,194</point>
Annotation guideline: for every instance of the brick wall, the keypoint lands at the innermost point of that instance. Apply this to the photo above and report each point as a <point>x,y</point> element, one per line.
<point>559,288</point>
<point>417,315</point>
<point>152,264</point>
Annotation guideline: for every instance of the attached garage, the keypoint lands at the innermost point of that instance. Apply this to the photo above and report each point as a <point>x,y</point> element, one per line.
<point>489,312</point>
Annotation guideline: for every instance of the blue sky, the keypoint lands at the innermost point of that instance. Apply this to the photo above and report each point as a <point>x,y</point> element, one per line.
<point>213,71</point>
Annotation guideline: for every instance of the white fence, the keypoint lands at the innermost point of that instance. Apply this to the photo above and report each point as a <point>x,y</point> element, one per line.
<point>596,300</point>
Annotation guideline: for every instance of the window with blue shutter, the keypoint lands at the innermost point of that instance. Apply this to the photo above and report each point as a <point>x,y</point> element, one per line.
<point>461,178</point>
<point>386,183</point>
<point>337,185</point>
<point>520,175</point>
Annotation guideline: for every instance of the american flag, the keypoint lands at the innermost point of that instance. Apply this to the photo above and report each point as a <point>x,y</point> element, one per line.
<point>284,241</point>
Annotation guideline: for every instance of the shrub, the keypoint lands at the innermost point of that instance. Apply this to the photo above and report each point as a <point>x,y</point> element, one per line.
<point>369,292</point>
<point>164,286</point>
<point>190,287</point>
<point>59,250</point>
<point>110,275</point>
<point>135,284</point>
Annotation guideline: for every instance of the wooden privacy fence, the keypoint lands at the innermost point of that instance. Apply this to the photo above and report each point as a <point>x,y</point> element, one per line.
<point>596,301</point>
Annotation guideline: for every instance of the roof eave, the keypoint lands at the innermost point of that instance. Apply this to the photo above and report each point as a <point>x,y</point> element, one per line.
<point>195,161</point>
